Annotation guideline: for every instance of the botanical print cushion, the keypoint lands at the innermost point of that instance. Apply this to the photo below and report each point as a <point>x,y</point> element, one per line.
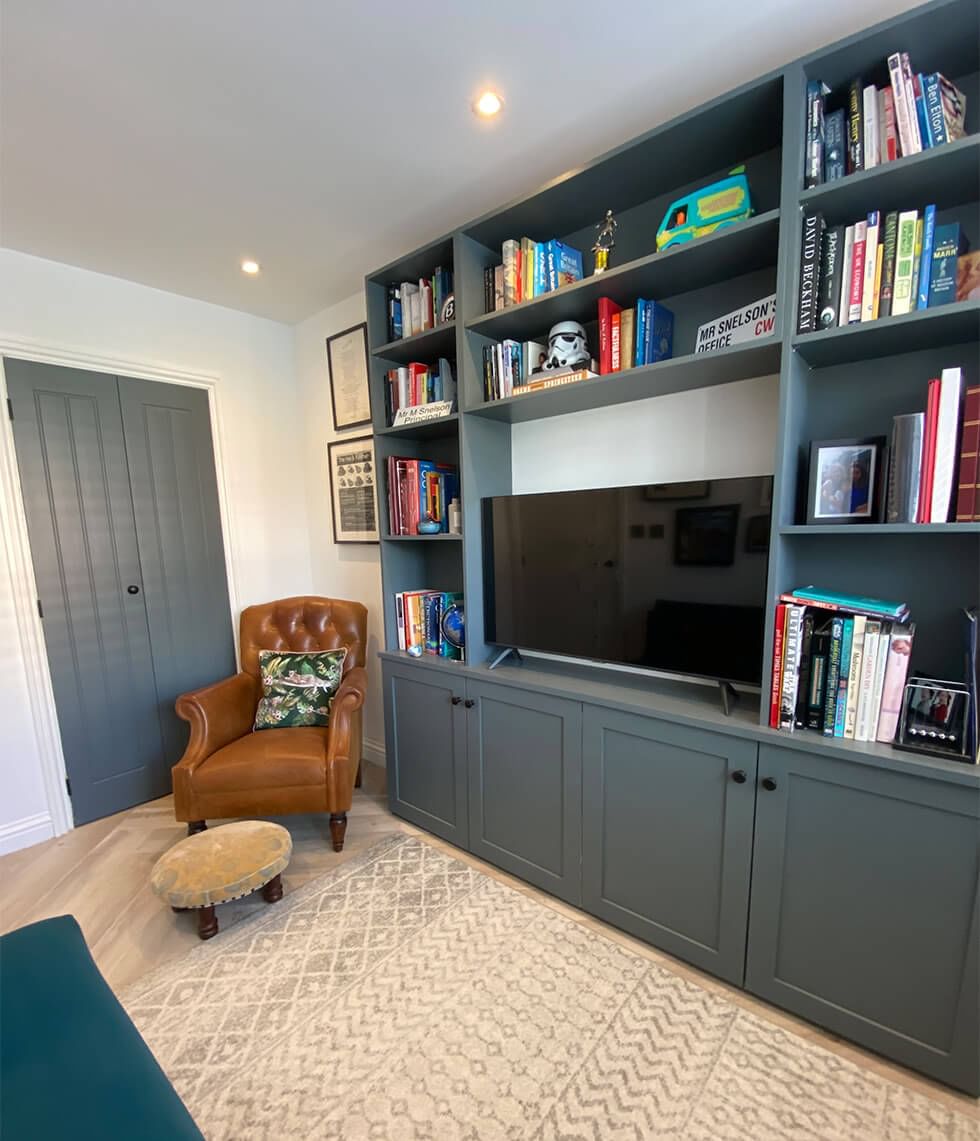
<point>297,689</point>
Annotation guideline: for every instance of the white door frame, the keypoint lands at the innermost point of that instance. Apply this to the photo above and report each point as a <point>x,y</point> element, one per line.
<point>13,530</point>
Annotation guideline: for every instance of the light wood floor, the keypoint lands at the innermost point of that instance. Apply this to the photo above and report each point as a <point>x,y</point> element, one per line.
<point>99,873</point>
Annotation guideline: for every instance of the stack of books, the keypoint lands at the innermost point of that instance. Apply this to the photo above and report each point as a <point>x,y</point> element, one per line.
<point>414,307</point>
<point>419,489</point>
<point>909,114</point>
<point>416,383</point>
<point>881,266</point>
<point>925,482</point>
<point>529,269</point>
<point>629,338</point>
<point>418,616</point>
<point>512,368</point>
<point>839,664</point>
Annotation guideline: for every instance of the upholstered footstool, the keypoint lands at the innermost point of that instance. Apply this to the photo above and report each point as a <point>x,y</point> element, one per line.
<point>220,865</point>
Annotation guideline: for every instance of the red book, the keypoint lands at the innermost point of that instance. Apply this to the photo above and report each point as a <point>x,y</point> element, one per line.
<point>779,630</point>
<point>890,136</point>
<point>967,490</point>
<point>606,310</point>
<point>929,453</point>
<point>617,358</point>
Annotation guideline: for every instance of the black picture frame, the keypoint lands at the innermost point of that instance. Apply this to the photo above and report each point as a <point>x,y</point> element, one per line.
<point>354,410</point>
<point>705,536</point>
<point>846,481</point>
<point>357,454</point>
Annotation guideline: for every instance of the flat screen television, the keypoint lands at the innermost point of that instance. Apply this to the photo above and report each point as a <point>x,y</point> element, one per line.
<point>665,577</point>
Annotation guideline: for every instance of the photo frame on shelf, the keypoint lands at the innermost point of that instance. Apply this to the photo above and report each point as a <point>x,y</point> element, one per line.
<point>353,499</point>
<point>347,371</point>
<point>846,481</point>
<point>705,536</point>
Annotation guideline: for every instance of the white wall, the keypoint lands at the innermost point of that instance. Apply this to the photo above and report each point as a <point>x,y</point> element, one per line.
<point>347,570</point>
<point>54,306</point>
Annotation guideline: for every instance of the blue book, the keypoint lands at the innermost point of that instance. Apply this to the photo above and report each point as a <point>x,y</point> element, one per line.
<point>658,333</point>
<point>920,113</point>
<point>946,248</point>
<point>563,264</point>
<point>935,119</point>
<point>641,327</point>
<point>846,643</point>
<point>925,264</point>
<point>540,269</point>
<point>857,604</point>
<point>832,689</point>
<point>835,146</point>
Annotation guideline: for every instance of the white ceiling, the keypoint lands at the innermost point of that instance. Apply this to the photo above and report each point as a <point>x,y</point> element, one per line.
<point>163,140</point>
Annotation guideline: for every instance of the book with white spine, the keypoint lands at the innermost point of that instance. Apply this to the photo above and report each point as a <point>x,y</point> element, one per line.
<point>947,434</point>
<point>872,144</point>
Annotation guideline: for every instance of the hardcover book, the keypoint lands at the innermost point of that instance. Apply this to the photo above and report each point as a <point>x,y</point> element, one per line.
<point>946,248</point>
<point>872,145</point>
<point>831,276</point>
<point>813,227</point>
<point>847,264</point>
<point>888,133</point>
<point>904,114</point>
<point>855,127</point>
<point>904,263</point>
<point>816,92</point>
<point>925,258</point>
<point>870,266</point>
<point>968,472</point>
<point>893,689</point>
<point>905,468</point>
<point>835,146</point>
<point>856,286</point>
<point>947,437</point>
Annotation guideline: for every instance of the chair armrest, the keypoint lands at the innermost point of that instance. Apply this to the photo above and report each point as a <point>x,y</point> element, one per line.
<point>218,715</point>
<point>347,700</point>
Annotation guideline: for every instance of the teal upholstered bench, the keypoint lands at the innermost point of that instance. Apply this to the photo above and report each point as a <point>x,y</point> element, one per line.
<point>72,1064</point>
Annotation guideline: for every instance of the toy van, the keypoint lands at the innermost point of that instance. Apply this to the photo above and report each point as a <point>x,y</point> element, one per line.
<point>708,209</point>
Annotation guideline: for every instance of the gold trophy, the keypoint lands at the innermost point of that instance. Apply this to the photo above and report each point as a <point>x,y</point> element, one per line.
<point>605,241</point>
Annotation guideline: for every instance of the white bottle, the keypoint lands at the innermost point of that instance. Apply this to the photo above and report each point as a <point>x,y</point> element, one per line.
<point>455,518</point>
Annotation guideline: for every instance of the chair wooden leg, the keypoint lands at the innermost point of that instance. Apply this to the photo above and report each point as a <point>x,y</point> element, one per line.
<point>338,826</point>
<point>272,892</point>
<point>196,826</point>
<point>207,922</point>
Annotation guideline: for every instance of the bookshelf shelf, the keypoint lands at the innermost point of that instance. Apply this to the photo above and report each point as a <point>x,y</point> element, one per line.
<point>425,430</point>
<point>736,250</point>
<point>423,538</point>
<point>430,343</point>
<point>679,374</point>
<point>946,325</point>
<point>867,530</point>
<point>948,175</point>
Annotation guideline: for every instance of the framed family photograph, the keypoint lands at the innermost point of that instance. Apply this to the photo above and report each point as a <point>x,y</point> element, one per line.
<point>347,367</point>
<point>353,474</point>
<point>847,480</point>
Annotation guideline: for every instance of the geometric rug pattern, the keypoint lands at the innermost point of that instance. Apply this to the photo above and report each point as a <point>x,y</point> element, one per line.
<point>406,996</point>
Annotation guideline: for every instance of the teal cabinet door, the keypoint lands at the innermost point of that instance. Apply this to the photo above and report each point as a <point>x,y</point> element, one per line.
<point>525,772</point>
<point>425,746</point>
<point>667,835</point>
<point>864,908</point>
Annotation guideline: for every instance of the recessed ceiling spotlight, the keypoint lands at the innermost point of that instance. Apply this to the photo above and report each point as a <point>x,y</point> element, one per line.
<point>250,267</point>
<point>488,105</point>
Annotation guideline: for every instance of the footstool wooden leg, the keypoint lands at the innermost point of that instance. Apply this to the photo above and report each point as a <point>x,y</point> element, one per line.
<point>338,826</point>
<point>272,892</point>
<point>196,826</point>
<point>207,922</point>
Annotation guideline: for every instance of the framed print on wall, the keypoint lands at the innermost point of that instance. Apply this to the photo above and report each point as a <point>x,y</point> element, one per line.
<point>347,367</point>
<point>352,490</point>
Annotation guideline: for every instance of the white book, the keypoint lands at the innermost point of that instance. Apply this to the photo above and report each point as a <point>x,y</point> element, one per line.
<point>400,619</point>
<point>870,262</point>
<point>404,387</point>
<point>947,432</point>
<point>915,136</point>
<point>882,127</point>
<point>854,676</point>
<point>847,264</point>
<point>903,123</point>
<point>904,263</point>
<point>872,146</point>
<point>884,643</point>
<point>869,663</point>
<point>855,298</point>
<point>409,309</point>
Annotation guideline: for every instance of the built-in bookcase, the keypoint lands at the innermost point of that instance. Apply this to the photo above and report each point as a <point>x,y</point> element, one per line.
<point>835,383</point>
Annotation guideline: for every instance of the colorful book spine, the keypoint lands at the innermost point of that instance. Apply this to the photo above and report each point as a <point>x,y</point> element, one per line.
<point>889,130</point>
<point>893,689</point>
<point>915,138</point>
<point>627,337</point>
<point>813,173</point>
<point>840,706</point>
<point>858,604</point>
<point>921,117</point>
<point>847,265</point>
<point>878,686</point>
<point>831,277</point>
<point>813,227</point>
<point>658,333</point>
<point>872,144</point>
<point>791,668</point>
<point>947,436</point>
<point>607,308</point>
<point>835,146</point>
<point>932,94</point>
<point>903,118</point>
<point>904,263</point>
<point>925,259</point>
<point>617,341</point>
<point>815,682</point>
<point>869,660</point>
<point>855,127</point>
<point>641,332</point>
<point>856,290</point>
<point>929,452</point>
<point>776,682</point>
<point>854,676</point>
<point>947,243</point>
<point>870,265</point>
<point>833,675</point>
<point>968,478</point>
<point>916,263</point>
<point>905,468</point>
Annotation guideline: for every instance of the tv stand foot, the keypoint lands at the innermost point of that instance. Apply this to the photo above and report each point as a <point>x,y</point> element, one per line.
<point>503,656</point>
<point>729,697</point>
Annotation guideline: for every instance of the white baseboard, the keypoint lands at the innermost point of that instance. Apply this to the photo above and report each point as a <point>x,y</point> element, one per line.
<point>25,832</point>
<point>373,752</point>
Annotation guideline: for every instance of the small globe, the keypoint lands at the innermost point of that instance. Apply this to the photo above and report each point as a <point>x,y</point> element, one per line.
<point>453,626</point>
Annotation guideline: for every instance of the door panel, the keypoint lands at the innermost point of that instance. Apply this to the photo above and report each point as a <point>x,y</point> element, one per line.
<point>178,523</point>
<point>72,462</point>
<point>667,835</point>
<point>425,747</point>
<point>525,763</point>
<point>864,908</point>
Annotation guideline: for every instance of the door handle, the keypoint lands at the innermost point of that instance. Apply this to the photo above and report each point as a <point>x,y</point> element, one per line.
<point>769,784</point>
<point>455,700</point>
<point>469,703</point>
<point>738,776</point>
<point>132,588</point>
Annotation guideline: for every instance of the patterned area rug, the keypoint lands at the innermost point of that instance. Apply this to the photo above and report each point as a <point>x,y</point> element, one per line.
<point>407,996</point>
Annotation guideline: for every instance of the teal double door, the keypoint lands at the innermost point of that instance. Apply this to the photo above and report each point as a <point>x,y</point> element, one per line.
<point>120,491</point>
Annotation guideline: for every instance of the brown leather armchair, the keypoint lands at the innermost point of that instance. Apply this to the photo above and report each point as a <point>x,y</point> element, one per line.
<point>229,770</point>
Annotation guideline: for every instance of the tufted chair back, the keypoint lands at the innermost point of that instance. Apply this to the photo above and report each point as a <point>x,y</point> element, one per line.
<point>304,623</point>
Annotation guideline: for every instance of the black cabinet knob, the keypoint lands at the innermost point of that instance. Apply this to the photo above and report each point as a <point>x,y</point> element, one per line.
<point>455,700</point>
<point>768,784</point>
<point>738,776</point>
<point>469,703</point>
<point>133,589</point>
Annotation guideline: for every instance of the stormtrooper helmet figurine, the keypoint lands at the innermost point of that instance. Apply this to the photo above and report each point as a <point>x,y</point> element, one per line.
<point>567,348</point>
